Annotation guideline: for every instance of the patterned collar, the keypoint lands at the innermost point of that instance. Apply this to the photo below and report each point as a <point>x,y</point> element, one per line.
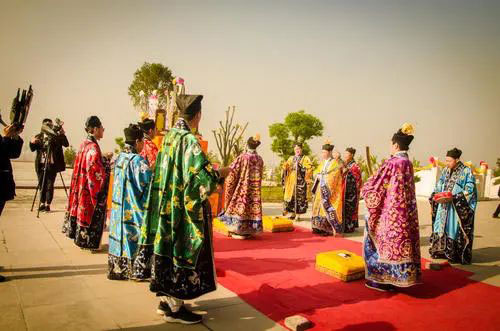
<point>147,137</point>
<point>452,175</point>
<point>252,151</point>
<point>403,154</point>
<point>129,149</point>
<point>92,138</point>
<point>350,164</point>
<point>182,124</point>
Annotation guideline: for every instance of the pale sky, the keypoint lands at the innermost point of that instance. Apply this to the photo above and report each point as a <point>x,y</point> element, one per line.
<point>362,67</point>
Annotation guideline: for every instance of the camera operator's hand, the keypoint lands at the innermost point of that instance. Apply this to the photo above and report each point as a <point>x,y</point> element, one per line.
<point>10,131</point>
<point>61,131</point>
<point>35,140</point>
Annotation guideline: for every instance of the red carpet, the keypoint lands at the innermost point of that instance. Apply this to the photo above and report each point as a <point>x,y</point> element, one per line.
<point>275,274</point>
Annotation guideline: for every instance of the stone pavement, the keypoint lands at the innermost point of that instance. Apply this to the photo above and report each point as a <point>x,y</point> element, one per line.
<point>53,285</point>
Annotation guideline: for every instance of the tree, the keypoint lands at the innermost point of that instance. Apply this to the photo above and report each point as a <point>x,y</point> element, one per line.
<point>69,156</point>
<point>227,136</point>
<point>212,157</point>
<point>298,127</point>
<point>121,144</point>
<point>149,79</point>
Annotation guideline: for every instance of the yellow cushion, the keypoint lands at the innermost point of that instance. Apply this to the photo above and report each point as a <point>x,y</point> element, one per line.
<point>341,264</point>
<point>277,224</point>
<point>220,227</point>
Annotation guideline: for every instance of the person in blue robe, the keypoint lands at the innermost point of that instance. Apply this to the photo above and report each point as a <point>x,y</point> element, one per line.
<point>132,177</point>
<point>453,217</point>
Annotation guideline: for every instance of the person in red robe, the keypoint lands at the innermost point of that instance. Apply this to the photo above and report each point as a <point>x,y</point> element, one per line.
<point>86,212</point>
<point>352,187</point>
<point>150,150</point>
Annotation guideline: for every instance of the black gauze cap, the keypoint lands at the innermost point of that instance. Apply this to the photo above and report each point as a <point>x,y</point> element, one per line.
<point>93,122</point>
<point>402,139</point>
<point>133,133</point>
<point>147,125</point>
<point>189,104</point>
<point>328,147</point>
<point>454,153</point>
<point>351,150</point>
<point>253,144</point>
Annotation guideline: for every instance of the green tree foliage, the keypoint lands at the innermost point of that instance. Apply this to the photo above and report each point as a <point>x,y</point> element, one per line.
<point>121,144</point>
<point>69,156</point>
<point>148,78</point>
<point>297,127</point>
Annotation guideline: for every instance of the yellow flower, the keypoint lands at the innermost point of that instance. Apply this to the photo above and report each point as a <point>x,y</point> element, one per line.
<point>407,128</point>
<point>175,200</point>
<point>127,216</point>
<point>190,205</point>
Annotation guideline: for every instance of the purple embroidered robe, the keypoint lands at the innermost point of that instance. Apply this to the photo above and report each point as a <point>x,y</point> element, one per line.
<point>392,238</point>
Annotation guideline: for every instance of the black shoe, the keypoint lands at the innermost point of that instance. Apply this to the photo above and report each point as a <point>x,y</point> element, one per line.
<point>163,309</point>
<point>2,279</point>
<point>47,208</point>
<point>183,316</point>
<point>378,286</point>
<point>41,208</point>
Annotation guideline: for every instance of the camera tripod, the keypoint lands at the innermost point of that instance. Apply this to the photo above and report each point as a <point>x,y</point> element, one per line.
<point>41,186</point>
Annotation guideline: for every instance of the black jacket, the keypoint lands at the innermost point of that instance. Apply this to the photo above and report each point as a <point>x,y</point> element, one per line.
<point>56,148</point>
<point>10,148</point>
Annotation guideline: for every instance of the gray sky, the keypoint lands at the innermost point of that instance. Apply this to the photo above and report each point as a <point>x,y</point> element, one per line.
<point>363,67</point>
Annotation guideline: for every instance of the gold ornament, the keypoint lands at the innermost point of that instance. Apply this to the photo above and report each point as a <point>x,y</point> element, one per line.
<point>407,128</point>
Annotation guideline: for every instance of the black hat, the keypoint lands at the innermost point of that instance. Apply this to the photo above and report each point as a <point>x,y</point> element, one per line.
<point>328,147</point>
<point>147,124</point>
<point>189,104</point>
<point>402,139</point>
<point>93,122</point>
<point>133,133</point>
<point>299,144</point>
<point>254,142</point>
<point>351,150</point>
<point>454,153</point>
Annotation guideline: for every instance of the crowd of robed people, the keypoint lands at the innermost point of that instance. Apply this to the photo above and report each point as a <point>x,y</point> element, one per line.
<point>161,219</point>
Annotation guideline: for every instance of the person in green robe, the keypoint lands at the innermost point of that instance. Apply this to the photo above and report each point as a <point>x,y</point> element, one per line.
<point>176,236</point>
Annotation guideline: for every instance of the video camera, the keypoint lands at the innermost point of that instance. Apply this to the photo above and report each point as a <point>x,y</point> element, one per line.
<point>20,108</point>
<point>53,131</point>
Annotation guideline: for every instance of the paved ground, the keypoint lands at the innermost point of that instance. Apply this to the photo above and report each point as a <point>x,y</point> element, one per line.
<point>54,285</point>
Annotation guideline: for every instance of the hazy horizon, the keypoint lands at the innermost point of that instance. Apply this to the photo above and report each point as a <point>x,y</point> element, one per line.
<point>362,67</point>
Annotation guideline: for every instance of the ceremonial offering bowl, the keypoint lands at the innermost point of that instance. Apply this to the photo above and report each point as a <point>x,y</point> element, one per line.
<point>439,197</point>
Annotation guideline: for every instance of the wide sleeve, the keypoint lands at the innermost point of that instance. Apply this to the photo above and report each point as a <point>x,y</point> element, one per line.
<point>375,189</point>
<point>63,140</point>
<point>96,173</point>
<point>200,179</point>
<point>232,179</point>
<point>306,163</point>
<point>318,169</point>
<point>140,176</point>
<point>37,146</point>
<point>12,147</point>
<point>466,187</point>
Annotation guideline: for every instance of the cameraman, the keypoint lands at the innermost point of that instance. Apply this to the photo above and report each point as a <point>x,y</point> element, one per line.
<point>49,139</point>
<point>10,148</point>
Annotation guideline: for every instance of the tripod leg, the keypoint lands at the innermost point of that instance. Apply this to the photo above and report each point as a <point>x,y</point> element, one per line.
<point>36,193</point>
<point>43,178</point>
<point>64,185</point>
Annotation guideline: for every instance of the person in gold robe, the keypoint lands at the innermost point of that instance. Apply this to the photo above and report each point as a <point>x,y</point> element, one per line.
<point>296,171</point>
<point>327,195</point>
